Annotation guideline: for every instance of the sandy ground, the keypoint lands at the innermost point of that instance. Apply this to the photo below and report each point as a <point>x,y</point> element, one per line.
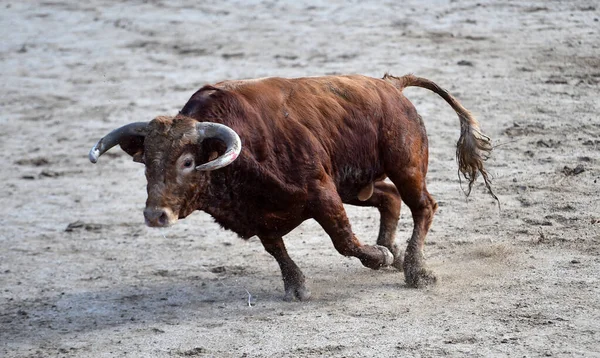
<point>80,274</point>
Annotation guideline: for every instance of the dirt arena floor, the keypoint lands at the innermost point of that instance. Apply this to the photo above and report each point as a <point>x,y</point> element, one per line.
<point>81,276</point>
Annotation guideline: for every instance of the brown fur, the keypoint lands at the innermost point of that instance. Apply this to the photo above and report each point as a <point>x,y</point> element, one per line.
<point>308,146</point>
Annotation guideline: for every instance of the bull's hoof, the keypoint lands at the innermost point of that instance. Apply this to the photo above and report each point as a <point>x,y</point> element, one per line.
<point>388,257</point>
<point>398,254</point>
<point>398,262</point>
<point>419,278</point>
<point>296,293</point>
<point>375,257</point>
<point>295,288</point>
<point>415,272</point>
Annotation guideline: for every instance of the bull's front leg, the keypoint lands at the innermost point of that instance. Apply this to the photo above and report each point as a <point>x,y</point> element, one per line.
<point>293,278</point>
<point>329,212</point>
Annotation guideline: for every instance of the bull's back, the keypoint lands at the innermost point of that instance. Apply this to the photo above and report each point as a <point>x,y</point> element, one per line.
<point>333,121</point>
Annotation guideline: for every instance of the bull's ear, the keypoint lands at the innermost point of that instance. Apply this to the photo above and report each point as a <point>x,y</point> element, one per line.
<point>223,133</point>
<point>139,157</point>
<point>130,137</point>
<point>134,146</point>
<point>212,156</point>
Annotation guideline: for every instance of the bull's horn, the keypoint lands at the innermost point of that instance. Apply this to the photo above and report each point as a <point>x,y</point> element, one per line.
<point>227,135</point>
<point>117,136</point>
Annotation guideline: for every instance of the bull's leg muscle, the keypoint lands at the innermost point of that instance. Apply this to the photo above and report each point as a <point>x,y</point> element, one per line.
<point>387,200</point>
<point>293,278</point>
<point>330,214</point>
<point>410,181</point>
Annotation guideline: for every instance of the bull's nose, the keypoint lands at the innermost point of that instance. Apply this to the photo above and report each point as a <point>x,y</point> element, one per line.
<point>157,217</point>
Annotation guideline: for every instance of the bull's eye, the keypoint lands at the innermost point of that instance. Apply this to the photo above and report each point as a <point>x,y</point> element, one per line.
<point>186,164</point>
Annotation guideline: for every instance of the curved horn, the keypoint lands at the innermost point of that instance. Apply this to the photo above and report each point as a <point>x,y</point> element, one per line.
<point>117,136</point>
<point>225,134</point>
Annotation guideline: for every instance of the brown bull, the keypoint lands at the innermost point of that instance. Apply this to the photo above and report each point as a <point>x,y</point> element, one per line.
<point>262,156</point>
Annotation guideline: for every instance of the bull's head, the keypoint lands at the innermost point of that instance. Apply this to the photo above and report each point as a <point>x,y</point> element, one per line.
<point>175,159</point>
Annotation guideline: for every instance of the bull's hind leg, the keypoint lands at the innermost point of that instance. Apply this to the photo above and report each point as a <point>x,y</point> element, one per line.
<point>410,181</point>
<point>329,212</point>
<point>293,279</point>
<point>387,200</point>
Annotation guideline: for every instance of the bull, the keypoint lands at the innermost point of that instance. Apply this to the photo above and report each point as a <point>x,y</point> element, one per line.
<point>263,155</point>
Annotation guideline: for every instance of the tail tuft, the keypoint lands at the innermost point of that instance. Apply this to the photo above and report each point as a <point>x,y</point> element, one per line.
<point>472,149</point>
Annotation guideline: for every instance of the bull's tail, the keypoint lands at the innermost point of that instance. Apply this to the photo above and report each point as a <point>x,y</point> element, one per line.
<point>473,147</point>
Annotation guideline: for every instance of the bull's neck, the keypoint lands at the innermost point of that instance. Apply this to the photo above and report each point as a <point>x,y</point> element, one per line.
<point>226,197</point>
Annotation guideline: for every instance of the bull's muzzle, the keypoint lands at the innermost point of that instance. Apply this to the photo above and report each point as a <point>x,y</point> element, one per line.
<point>159,217</point>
